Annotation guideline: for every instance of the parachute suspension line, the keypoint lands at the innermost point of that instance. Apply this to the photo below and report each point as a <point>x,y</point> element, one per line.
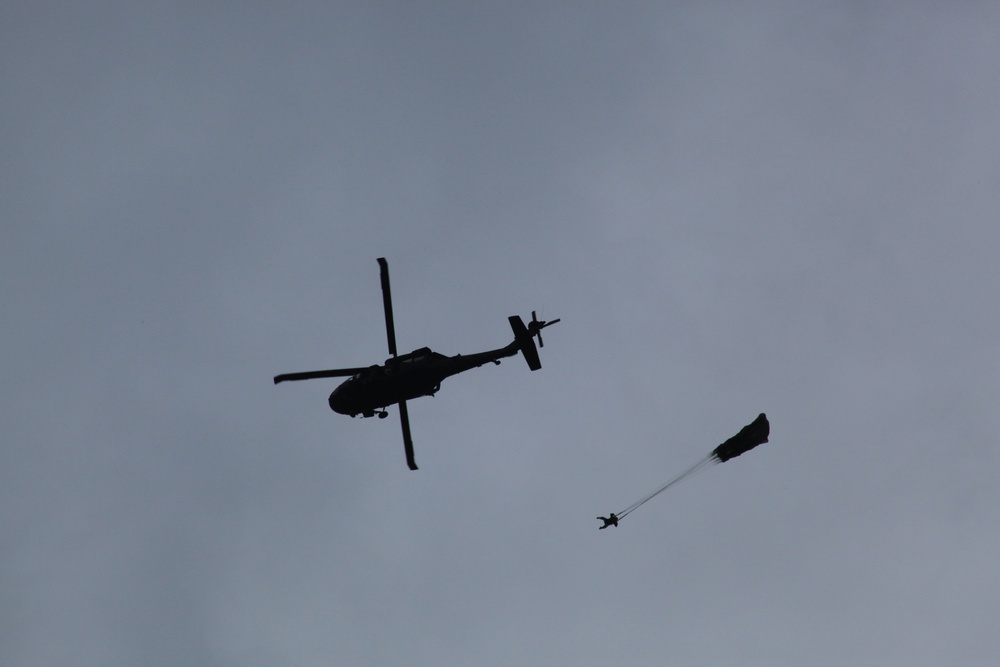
<point>697,467</point>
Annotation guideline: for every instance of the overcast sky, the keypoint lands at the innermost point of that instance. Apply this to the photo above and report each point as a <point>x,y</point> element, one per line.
<point>787,208</point>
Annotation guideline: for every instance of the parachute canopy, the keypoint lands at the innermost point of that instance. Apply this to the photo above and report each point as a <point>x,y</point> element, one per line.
<point>753,434</point>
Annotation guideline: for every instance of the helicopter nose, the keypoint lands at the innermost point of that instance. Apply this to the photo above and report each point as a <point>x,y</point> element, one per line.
<point>338,402</point>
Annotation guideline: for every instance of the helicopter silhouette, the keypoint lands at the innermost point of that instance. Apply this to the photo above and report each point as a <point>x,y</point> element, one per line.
<point>371,389</point>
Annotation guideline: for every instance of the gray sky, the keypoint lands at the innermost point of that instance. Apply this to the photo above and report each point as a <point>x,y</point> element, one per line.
<point>790,208</point>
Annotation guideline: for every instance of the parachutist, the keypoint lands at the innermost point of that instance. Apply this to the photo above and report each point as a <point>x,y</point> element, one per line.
<point>752,435</point>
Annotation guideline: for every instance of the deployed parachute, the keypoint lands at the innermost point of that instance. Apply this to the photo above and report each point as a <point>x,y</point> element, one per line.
<point>753,434</point>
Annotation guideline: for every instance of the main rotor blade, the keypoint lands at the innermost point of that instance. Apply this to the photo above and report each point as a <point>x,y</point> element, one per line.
<point>312,375</point>
<point>404,420</point>
<point>390,327</point>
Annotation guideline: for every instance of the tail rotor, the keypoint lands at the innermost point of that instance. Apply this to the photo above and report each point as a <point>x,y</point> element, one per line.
<point>535,327</point>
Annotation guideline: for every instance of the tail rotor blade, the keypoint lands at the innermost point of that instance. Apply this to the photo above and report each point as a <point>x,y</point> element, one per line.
<point>390,327</point>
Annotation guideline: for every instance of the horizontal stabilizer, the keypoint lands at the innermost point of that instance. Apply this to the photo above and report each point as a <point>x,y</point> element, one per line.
<point>525,343</point>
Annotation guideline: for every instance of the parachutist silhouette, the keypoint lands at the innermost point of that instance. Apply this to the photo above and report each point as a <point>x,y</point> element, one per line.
<point>753,434</point>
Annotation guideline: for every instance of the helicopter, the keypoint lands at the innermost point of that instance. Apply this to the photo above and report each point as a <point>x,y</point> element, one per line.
<point>369,390</point>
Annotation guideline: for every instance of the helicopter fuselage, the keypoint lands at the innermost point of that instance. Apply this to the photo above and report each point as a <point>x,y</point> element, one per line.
<point>404,377</point>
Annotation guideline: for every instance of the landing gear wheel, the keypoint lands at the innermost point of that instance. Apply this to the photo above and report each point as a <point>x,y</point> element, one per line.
<point>383,414</point>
